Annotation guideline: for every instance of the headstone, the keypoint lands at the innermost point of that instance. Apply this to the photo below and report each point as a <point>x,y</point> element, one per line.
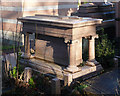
<point>116,62</point>
<point>7,67</point>
<point>27,74</point>
<point>56,86</point>
<point>11,58</point>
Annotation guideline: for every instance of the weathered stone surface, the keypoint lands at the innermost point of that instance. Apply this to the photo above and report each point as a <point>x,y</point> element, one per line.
<point>57,70</point>
<point>51,49</point>
<point>56,86</point>
<point>97,10</point>
<point>86,70</point>
<point>27,74</point>
<point>105,11</point>
<point>58,40</point>
<point>27,46</point>
<point>11,59</point>
<point>67,79</point>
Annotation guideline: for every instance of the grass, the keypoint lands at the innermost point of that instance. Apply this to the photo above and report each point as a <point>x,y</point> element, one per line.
<point>8,47</point>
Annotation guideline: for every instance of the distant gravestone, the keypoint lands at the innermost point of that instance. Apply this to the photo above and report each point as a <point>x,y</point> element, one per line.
<point>27,74</point>
<point>116,62</point>
<point>11,58</point>
<point>56,86</point>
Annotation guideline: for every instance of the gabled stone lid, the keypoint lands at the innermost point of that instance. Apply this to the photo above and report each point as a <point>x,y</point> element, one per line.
<point>63,21</point>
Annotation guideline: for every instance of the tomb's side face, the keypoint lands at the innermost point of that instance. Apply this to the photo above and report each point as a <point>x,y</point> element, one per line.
<point>51,49</point>
<point>50,30</point>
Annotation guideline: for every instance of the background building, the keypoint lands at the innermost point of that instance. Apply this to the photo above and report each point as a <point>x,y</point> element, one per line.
<point>12,9</point>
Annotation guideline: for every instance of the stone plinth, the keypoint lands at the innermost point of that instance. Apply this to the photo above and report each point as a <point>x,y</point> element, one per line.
<point>58,71</point>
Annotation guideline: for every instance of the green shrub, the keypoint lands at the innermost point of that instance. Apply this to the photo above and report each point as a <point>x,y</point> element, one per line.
<point>79,90</point>
<point>104,50</point>
<point>13,72</point>
<point>7,47</point>
<point>31,83</point>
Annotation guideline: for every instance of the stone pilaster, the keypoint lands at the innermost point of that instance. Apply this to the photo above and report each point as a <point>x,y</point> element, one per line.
<point>91,61</point>
<point>72,67</point>
<point>79,51</point>
<point>91,49</point>
<point>27,46</point>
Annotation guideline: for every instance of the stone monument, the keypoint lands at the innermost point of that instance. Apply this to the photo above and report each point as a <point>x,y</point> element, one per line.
<point>58,41</point>
<point>100,10</point>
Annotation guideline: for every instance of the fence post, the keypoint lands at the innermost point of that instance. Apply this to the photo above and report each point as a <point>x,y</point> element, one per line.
<point>67,79</point>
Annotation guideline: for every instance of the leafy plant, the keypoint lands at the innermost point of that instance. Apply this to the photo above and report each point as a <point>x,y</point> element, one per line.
<point>19,54</point>
<point>79,89</point>
<point>82,64</point>
<point>85,2</point>
<point>32,83</point>
<point>104,50</point>
<point>13,72</point>
<point>7,47</point>
<point>79,2</point>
